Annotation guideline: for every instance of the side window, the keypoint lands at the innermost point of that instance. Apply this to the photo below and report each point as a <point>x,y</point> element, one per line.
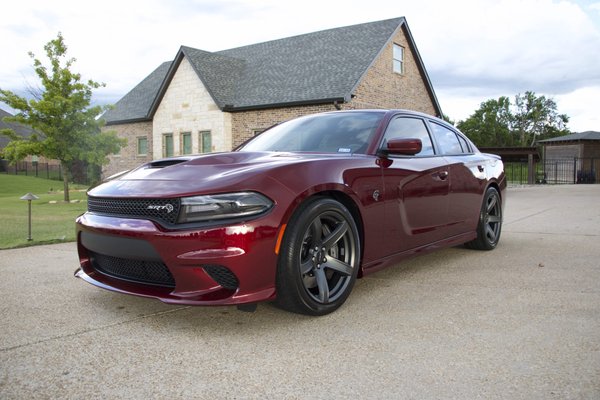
<point>463,144</point>
<point>446,139</point>
<point>409,128</point>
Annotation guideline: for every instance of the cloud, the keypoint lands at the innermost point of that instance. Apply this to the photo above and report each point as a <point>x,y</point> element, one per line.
<point>512,45</point>
<point>472,49</point>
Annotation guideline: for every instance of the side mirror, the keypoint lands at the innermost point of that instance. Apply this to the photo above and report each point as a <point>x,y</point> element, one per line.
<point>404,147</point>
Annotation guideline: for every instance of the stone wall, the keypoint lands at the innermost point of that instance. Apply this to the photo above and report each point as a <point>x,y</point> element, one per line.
<point>128,157</point>
<point>188,107</point>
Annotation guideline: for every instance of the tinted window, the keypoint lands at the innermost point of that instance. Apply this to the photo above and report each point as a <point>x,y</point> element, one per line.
<point>345,132</point>
<point>463,144</point>
<point>446,139</point>
<point>409,128</point>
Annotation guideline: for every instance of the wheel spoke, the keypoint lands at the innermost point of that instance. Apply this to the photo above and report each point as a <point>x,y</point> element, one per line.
<point>306,267</point>
<point>492,203</point>
<point>494,219</point>
<point>316,231</point>
<point>339,231</point>
<point>339,266</point>
<point>490,233</point>
<point>322,285</point>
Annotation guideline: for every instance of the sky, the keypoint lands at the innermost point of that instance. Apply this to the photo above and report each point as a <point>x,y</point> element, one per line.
<point>473,50</point>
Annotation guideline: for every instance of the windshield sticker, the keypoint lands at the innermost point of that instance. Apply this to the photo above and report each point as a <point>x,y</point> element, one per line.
<point>344,150</point>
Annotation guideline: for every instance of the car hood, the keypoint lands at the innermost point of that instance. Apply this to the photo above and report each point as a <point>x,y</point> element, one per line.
<point>202,174</point>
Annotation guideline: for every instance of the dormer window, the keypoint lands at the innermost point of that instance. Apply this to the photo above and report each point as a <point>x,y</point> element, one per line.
<point>398,59</point>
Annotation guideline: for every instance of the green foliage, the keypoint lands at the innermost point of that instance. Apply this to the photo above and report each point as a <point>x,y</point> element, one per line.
<point>498,123</point>
<point>62,114</point>
<point>490,124</point>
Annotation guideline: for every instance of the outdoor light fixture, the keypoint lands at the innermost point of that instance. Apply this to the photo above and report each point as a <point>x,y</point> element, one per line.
<point>29,197</point>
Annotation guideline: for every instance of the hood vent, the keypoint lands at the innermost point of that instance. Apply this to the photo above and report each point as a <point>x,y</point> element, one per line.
<point>166,163</point>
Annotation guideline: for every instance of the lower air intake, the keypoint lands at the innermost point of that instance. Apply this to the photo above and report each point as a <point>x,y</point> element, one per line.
<point>139,271</point>
<point>223,276</point>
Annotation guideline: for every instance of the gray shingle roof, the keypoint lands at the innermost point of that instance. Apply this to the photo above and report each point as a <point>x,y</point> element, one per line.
<point>312,68</point>
<point>587,135</point>
<point>315,66</point>
<point>136,105</point>
<point>19,129</point>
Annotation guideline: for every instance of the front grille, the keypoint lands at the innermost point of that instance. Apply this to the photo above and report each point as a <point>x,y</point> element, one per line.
<point>160,210</point>
<point>222,276</point>
<point>149,272</point>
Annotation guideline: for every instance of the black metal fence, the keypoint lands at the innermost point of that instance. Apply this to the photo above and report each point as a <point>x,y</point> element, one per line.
<point>554,171</point>
<point>82,173</point>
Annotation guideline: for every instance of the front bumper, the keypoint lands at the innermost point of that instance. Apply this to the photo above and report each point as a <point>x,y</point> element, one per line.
<point>214,266</point>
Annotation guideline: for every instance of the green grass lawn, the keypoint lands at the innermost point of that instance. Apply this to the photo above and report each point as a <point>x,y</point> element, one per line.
<point>51,223</point>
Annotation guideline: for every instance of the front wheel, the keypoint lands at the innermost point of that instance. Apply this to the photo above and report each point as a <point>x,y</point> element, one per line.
<point>319,258</point>
<point>490,222</point>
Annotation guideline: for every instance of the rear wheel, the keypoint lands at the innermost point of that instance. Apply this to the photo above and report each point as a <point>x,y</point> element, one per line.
<point>319,258</point>
<point>490,222</point>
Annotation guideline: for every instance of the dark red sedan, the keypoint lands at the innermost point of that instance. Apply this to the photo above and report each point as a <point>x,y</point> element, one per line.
<point>295,215</point>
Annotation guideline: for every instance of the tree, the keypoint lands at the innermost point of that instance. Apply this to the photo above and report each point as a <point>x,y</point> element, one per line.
<point>67,126</point>
<point>537,117</point>
<point>490,124</point>
<point>498,123</point>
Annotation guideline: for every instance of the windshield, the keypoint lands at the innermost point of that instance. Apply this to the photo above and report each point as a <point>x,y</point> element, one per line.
<point>345,132</point>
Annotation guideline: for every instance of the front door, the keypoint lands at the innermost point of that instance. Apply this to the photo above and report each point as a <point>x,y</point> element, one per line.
<point>415,190</point>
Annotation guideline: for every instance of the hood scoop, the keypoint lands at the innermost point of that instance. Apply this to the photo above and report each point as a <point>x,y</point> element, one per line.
<point>166,163</point>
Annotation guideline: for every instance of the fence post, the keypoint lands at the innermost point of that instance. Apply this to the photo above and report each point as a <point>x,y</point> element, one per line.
<point>530,170</point>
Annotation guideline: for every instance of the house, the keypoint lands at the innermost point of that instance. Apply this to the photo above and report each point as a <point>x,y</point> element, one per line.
<point>23,131</point>
<point>214,101</point>
<point>573,158</point>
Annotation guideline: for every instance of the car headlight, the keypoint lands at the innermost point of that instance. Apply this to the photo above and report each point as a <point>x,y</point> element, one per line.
<point>221,206</point>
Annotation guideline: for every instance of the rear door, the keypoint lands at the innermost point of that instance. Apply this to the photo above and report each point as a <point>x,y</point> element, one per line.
<point>466,171</point>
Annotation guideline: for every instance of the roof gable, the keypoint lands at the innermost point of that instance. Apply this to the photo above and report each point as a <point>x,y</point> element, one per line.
<point>316,66</point>
<point>312,68</point>
<point>136,105</point>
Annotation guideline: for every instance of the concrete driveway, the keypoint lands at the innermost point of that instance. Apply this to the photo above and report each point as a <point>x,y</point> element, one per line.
<point>520,322</point>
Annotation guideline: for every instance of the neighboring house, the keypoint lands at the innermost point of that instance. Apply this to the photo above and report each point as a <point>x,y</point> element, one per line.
<point>214,101</point>
<point>19,129</point>
<point>23,131</point>
<point>572,158</point>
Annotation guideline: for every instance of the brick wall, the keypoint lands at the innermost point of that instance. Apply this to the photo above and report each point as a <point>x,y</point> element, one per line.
<point>245,123</point>
<point>128,158</point>
<point>381,87</point>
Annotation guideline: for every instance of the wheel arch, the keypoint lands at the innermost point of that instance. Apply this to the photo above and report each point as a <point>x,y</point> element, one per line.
<point>347,201</point>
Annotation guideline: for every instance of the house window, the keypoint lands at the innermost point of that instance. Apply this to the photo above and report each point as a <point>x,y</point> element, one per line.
<point>142,146</point>
<point>205,142</point>
<point>186,143</point>
<point>168,145</point>
<point>398,59</point>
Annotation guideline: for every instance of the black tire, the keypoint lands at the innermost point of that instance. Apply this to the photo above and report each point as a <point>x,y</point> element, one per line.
<point>319,258</point>
<point>490,222</point>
